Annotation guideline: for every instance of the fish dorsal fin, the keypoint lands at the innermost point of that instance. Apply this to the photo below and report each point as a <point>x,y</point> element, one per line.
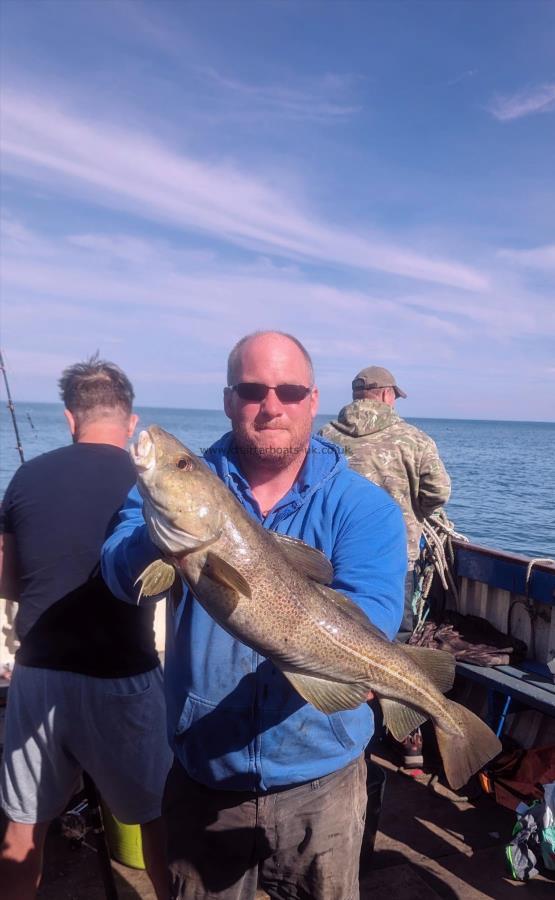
<point>439,665</point>
<point>399,719</point>
<point>217,569</point>
<point>157,578</point>
<point>349,607</point>
<point>328,696</point>
<point>308,560</point>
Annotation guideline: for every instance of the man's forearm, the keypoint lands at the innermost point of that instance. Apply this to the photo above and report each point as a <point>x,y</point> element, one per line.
<point>127,551</point>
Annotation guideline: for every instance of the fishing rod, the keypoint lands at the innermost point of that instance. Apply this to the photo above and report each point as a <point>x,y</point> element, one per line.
<point>32,424</point>
<point>11,408</point>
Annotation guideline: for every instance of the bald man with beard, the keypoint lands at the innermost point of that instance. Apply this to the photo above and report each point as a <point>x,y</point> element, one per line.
<point>265,789</point>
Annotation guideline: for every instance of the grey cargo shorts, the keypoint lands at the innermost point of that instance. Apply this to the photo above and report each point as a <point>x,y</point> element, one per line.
<point>58,723</point>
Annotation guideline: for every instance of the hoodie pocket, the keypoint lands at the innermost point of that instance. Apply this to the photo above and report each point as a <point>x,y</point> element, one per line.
<point>186,717</point>
<point>215,743</point>
<point>304,746</point>
<point>340,732</point>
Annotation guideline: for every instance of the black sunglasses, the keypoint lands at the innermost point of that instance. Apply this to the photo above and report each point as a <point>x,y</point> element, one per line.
<point>254,392</point>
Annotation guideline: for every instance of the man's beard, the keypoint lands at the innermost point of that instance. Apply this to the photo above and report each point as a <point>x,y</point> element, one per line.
<point>270,457</point>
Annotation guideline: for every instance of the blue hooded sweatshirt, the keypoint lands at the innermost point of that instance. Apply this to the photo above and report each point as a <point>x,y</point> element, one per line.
<point>234,721</point>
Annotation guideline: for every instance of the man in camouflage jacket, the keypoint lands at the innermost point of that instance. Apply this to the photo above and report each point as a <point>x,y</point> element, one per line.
<point>399,457</point>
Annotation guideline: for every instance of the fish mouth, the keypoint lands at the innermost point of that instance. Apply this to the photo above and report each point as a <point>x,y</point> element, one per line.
<point>157,507</point>
<point>143,452</point>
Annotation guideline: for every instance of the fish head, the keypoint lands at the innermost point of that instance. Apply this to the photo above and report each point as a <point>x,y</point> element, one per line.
<point>179,502</point>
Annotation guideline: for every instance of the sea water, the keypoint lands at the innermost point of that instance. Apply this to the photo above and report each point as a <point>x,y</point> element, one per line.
<point>502,473</point>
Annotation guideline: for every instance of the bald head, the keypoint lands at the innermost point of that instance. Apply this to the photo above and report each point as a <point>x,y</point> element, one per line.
<point>259,341</point>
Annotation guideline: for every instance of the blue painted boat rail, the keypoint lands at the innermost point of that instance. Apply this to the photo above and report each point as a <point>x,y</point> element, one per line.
<point>507,571</point>
<point>492,583</point>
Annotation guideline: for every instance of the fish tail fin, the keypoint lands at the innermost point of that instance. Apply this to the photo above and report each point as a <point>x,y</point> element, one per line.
<point>465,753</point>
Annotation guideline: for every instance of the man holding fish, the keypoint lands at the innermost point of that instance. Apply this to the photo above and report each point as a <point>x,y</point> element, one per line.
<point>267,669</point>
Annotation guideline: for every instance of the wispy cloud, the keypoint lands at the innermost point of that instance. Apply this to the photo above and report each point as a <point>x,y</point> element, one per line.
<point>130,171</point>
<point>189,177</point>
<point>169,318</point>
<point>324,99</point>
<point>463,76</point>
<point>539,99</point>
<point>99,278</point>
<point>131,249</point>
<point>535,258</point>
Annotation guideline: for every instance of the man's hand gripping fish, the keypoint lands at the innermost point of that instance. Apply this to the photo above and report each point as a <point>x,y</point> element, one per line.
<point>269,592</point>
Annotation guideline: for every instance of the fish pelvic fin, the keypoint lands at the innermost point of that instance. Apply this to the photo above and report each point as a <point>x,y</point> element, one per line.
<point>157,578</point>
<point>328,696</point>
<point>220,571</point>
<point>308,560</point>
<point>438,665</point>
<point>466,753</point>
<point>399,719</point>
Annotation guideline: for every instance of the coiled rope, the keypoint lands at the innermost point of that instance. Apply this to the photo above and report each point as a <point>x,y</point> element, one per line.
<point>437,555</point>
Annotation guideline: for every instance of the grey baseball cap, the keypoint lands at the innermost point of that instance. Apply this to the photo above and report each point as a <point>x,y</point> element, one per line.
<point>376,377</point>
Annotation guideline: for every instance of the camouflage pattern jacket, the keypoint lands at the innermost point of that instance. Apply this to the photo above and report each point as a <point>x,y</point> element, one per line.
<point>399,457</point>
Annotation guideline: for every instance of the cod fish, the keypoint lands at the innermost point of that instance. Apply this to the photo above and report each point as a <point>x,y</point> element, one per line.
<point>270,592</point>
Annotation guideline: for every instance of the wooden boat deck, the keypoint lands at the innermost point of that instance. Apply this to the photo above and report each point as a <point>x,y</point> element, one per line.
<point>430,845</point>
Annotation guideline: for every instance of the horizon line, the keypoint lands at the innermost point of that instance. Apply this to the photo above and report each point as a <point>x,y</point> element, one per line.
<point>330,415</point>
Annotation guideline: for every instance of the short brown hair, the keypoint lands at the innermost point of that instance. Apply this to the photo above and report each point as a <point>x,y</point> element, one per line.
<point>96,386</point>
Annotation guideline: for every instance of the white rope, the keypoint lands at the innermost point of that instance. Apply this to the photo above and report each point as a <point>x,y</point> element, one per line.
<point>441,522</point>
<point>438,533</point>
<point>538,560</point>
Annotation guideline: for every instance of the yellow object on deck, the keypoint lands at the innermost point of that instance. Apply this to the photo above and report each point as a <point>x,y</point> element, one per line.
<point>124,841</point>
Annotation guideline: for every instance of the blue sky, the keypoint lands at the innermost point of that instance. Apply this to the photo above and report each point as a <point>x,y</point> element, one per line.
<point>377,178</point>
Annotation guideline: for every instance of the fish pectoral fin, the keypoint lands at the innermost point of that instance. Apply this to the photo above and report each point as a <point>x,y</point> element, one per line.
<point>156,578</point>
<point>399,719</point>
<point>308,560</point>
<point>439,665</point>
<point>328,696</point>
<point>217,569</point>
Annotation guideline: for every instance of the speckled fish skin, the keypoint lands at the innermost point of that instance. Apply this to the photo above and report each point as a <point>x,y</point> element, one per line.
<point>244,580</point>
<point>287,617</point>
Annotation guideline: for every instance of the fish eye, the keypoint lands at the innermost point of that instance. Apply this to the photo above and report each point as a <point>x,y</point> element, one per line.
<point>183,463</point>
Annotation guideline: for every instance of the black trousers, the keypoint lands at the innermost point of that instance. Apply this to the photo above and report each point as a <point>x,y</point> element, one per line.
<point>302,843</point>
